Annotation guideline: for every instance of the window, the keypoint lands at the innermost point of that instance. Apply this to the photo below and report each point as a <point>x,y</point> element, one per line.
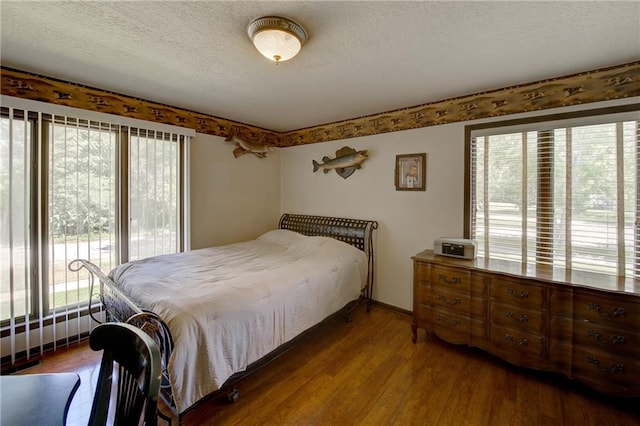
<point>154,194</point>
<point>16,216</point>
<point>81,188</point>
<point>79,183</point>
<point>560,190</point>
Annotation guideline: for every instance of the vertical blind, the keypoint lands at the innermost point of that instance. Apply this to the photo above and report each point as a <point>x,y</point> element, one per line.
<point>78,185</point>
<point>154,186</point>
<point>78,188</point>
<point>558,193</point>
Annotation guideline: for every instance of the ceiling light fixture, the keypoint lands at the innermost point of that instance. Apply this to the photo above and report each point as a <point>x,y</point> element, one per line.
<point>277,38</point>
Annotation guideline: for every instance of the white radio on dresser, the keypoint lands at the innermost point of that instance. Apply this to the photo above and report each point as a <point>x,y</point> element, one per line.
<point>455,247</point>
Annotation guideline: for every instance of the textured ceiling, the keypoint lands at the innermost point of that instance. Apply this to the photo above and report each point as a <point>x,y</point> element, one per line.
<point>361,57</point>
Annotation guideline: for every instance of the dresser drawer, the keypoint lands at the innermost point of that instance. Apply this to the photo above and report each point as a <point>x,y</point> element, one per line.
<point>614,341</point>
<point>516,317</point>
<point>601,367</point>
<point>606,308</point>
<point>516,340</point>
<point>452,327</point>
<point>527,295</point>
<point>456,279</point>
<point>450,300</point>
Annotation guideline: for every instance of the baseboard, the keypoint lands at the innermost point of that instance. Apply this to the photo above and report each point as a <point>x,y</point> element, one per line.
<point>35,357</point>
<point>393,308</point>
<point>20,364</point>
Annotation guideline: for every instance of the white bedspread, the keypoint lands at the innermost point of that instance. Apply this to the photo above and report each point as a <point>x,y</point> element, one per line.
<point>228,306</point>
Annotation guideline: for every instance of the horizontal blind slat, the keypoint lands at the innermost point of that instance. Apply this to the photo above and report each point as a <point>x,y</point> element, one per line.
<point>585,220</point>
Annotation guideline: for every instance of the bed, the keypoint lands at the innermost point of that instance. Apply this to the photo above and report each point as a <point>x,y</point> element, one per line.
<point>241,305</point>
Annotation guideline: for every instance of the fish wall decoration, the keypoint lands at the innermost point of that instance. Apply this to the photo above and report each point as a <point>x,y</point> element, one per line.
<point>243,146</point>
<point>347,161</point>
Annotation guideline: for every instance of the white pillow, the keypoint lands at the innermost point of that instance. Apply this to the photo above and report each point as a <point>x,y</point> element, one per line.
<point>282,237</point>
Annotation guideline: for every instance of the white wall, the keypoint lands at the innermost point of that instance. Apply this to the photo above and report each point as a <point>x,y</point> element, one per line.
<point>232,199</point>
<point>409,221</point>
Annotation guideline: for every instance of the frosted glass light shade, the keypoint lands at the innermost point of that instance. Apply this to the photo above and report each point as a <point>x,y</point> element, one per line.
<point>277,38</point>
<point>277,44</point>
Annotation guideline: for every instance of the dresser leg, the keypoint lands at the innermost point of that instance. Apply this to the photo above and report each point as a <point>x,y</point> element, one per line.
<point>414,331</point>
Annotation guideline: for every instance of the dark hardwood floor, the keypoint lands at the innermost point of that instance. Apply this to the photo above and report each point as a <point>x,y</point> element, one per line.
<point>367,372</point>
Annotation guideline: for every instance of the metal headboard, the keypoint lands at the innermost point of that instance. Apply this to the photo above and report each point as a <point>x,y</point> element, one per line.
<point>356,232</point>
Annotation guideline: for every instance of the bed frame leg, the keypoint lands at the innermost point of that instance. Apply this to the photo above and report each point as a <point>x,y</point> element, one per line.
<point>233,395</point>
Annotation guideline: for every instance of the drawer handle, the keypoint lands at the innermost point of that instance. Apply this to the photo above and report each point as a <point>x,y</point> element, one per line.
<point>454,301</point>
<point>617,340</point>
<point>509,338</point>
<point>443,319</point>
<point>523,317</point>
<point>452,281</point>
<point>523,294</point>
<point>616,312</point>
<point>613,340</point>
<point>613,368</point>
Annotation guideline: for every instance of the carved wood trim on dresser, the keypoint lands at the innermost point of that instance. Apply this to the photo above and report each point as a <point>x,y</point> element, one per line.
<point>583,325</point>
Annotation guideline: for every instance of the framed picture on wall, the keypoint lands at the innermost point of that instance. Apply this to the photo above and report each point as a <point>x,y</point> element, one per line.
<point>411,172</point>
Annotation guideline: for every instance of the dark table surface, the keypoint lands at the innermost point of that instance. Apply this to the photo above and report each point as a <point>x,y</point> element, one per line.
<point>36,399</point>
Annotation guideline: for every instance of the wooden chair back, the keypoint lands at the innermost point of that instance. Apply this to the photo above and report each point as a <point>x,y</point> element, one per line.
<point>136,359</point>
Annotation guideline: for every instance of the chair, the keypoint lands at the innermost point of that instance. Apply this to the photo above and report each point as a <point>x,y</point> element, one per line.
<point>138,376</point>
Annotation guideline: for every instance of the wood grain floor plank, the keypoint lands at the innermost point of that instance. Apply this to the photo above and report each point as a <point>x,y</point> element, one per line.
<point>368,372</point>
<point>479,408</point>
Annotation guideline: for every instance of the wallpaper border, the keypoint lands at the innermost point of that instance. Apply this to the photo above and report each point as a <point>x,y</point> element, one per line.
<point>592,86</point>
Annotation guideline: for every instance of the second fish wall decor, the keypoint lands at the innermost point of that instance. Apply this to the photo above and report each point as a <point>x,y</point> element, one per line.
<point>346,161</point>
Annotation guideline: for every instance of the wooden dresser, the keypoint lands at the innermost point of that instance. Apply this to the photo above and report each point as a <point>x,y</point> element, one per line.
<point>583,325</point>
